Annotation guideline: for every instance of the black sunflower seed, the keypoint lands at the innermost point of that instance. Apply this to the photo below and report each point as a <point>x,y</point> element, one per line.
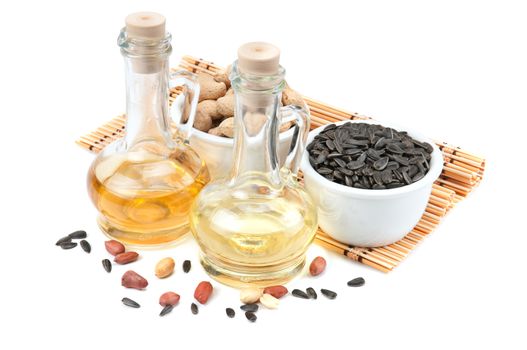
<point>166,310</point>
<point>64,239</point>
<point>340,162</point>
<point>311,293</point>
<point>194,308</point>
<point>107,265</point>
<point>131,303</point>
<point>251,316</point>
<point>401,160</point>
<point>407,178</point>
<point>328,293</point>
<point>249,307</point>
<point>78,234</point>
<point>324,171</point>
<point>186,266</point>
<point>418,177</point>
<point>355,165</point>
<point>86,246</point>
<point>299,294</point>
<point>381,163</point>
<point>68,245</point>
<point>356,282</point>
<point>230,312</point>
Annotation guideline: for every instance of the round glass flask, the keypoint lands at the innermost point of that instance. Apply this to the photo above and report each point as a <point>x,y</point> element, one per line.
<point>255,226</point>
<point>143,184</point>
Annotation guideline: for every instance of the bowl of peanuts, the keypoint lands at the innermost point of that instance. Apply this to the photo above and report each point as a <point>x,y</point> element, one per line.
<point>213,129</point>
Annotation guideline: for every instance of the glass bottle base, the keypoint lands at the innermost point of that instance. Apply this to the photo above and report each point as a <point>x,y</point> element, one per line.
<point>144,240</point>
<point>244,276</point>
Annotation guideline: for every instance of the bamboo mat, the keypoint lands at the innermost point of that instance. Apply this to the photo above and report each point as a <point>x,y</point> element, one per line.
<point>462,172</point>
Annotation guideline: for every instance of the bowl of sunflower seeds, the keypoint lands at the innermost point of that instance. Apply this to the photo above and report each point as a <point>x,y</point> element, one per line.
<point>371,182</point>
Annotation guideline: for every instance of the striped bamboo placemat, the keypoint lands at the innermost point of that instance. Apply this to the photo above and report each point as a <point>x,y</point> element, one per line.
<point>462,172</point>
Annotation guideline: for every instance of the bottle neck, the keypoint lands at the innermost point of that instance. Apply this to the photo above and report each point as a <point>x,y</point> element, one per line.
<point>146,70</point>
<point>257,122</point>
<point>146,103</point>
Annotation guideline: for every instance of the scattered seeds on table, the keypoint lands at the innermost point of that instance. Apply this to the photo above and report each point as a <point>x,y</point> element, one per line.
<point>194,308</point>
<point>107,264</point>
<point>311,293</point>
<point>318,265</point>
<point>251,316</point>
<point>249,307</point>
<point>78,235</point>
<point>269,301</point>
<point>230,312</point>
<point>68,245</point>
<point>328,293</point>
<point>86,246</point>
<point>299,294</point>
<point>166,310</point>
<point>186,266</point>
<point>64,239</point>
<point>356,282</point>
<point>131,303</point>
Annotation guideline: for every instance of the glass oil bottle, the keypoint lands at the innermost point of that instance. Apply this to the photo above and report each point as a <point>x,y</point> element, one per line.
<point>143,184</point>
<point>255,226</point>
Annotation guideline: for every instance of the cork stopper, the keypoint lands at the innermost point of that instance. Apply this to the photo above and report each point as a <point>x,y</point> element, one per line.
<point>145,25</point>
<point>258,58</point>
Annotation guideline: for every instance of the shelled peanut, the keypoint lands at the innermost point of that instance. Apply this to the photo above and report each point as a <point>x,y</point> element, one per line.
<point>215,110</point>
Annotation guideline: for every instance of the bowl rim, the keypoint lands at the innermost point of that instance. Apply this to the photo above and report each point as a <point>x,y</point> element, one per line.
<point>436,165</point>
<point>228,141</point>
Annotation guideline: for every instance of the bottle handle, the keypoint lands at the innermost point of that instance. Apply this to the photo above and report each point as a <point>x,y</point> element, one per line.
<point>183,108</point>
<point>301,117</point>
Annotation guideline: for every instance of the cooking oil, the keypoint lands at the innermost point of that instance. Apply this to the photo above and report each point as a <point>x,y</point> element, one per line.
<point>143,198</point>
<point>256,234</point>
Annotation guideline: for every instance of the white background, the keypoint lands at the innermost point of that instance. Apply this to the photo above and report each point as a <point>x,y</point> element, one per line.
<point>455,70</point>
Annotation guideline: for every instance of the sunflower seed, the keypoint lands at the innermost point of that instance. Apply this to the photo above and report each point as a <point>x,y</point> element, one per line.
<point>86,246</point>
<point>251,316</point>
<point>324,171</point>
<point>230,312</point>
<point>166,310</point>
<point>417,177</point>
<point>65,239</point>
<point>68,245</point>
<point>353,165</point>
<point>194,308</point>
<point>78,234</point>
<point>356,282</point>
<point>407,178</point>
<point>131,303</point>
<point>107,265</point>
<point>186,266</point>
<point>328,293</point>
<point>299,294</point>
<point>311,293</point>
<point>381,163</point>
<point>249,307</point>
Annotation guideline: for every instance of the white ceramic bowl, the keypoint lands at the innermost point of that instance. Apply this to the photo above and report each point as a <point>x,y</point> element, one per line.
<point>217,151</point>
<point>369,218</point>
